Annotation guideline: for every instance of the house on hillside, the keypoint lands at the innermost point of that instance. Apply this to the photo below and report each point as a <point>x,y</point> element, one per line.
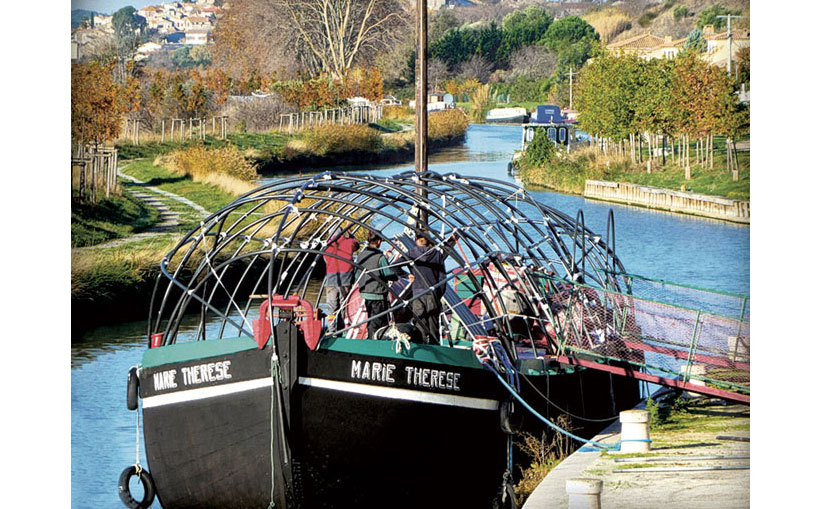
<point>718,44</point>
<point>196,37</point>
<point>196,23</point>
<point>650,46</point>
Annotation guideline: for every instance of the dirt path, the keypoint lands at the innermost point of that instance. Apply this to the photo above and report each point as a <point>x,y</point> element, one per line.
<point>169,220</point>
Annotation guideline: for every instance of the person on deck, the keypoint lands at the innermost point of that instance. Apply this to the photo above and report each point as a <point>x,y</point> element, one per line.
<point>339,276</point>
<point>373,282</point>
<point>428,269</point>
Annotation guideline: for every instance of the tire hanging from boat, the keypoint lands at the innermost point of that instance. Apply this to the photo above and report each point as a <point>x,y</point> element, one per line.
<point>148,485</point>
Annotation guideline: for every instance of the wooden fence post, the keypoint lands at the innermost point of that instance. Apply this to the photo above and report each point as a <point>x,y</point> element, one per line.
<point>93,189</point>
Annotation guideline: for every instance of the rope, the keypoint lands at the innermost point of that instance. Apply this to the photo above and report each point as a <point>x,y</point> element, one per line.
<point>555,427</point>
<point>490,357</point>
<point>137,448</point>
<point>274,377</point>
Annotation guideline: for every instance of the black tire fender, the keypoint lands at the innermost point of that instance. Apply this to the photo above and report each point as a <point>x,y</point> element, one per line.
<point>132,391</point>
<point>148,486</point>
<point>505,414</point>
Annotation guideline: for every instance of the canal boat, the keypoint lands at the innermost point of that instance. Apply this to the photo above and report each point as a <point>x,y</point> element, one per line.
<point>507,115</point>
<point>258,403</point>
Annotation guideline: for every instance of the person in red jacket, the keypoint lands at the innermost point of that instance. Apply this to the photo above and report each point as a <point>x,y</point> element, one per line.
<point>339,276</point>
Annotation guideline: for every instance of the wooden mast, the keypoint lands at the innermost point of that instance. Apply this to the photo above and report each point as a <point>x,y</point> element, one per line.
<point>421,145</point>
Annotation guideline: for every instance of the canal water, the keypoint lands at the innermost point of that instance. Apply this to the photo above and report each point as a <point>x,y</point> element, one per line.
<point>699,252</point>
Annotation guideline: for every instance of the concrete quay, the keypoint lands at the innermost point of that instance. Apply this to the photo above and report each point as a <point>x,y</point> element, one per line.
<point>699,460</point>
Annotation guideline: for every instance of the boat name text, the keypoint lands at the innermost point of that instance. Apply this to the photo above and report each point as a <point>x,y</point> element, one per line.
<point>419,377</point>
<point>192,375</point>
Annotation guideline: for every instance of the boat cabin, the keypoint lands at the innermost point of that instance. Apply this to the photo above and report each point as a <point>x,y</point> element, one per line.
<point>549,118</point>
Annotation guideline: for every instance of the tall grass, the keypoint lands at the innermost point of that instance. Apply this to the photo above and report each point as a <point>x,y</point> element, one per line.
<point>105,273</point>
<point>335,139</point>
<point>480,103</point>
<point>447,124</point>
<point>199,161</point>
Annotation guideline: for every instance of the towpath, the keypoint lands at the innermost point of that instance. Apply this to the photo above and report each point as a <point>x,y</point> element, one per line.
<point>703,466</point>
<point>169,220</point>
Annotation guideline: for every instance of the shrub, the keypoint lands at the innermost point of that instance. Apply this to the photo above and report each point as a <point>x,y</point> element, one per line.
<point>647,18</point>
<point>680,11</point>
<point>447,125</point>
<point>541,150</point>
<point>337,139</point>
<point>200,162</point>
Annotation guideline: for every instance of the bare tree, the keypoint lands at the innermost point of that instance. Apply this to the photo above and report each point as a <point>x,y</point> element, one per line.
<point>437,74</point>
<point>258,113</point>
<point>534,62</point>
<point>477,67</point>
<point>334,34</point>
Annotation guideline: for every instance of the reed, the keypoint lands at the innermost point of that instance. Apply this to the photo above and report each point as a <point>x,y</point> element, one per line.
<point>480,103</point>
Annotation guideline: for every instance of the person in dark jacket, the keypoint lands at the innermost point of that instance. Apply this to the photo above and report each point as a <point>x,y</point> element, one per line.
<point>338,277</point>
<point>373,282</point>
<point>428,269</point>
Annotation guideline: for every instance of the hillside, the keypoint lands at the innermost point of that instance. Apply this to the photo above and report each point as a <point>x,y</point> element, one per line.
<point>626,19</point>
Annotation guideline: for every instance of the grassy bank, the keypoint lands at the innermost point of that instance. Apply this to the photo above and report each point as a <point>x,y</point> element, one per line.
<point>111,218</point>
<point>569,173</point>
<point>390,140</point>
<point>114,284</point>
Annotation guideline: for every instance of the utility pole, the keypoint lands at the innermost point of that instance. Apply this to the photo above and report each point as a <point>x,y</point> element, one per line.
<point>729,42</point>
<point>571,88</point>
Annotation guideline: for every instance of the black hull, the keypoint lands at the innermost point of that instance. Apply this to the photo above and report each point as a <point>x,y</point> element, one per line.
<point>387,441</point>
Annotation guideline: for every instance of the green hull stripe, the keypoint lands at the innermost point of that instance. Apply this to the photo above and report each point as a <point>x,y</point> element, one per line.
<point>194,350</point>
<point>423,353</point>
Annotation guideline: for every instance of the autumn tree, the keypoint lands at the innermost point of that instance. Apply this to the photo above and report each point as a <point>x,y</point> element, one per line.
<point>98,103</point>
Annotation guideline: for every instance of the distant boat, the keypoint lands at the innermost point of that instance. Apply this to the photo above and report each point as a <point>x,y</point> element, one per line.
<point>507,115</point>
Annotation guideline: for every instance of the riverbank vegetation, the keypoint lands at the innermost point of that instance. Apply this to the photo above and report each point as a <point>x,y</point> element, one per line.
<point>568,174</point>
<point>670,123</point>
<point>541,456</point>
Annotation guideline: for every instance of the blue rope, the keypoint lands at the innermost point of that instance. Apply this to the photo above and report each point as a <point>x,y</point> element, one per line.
<point>555,427</point>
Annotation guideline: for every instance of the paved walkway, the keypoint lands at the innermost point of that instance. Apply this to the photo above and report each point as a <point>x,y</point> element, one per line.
<point>707,489</point>
<point>169,220</point>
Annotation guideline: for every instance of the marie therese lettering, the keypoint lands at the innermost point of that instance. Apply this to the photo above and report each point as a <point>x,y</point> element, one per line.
<point>419,377</point>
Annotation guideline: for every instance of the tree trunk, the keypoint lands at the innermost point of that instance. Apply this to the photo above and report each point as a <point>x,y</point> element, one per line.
<point>663,150</point>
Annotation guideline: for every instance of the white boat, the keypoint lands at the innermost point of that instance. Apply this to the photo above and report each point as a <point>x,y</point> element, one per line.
<point>507,115</point>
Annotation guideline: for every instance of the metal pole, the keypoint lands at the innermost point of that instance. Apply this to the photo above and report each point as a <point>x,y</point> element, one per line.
<point>421,149</point>
<point>729,41</point>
